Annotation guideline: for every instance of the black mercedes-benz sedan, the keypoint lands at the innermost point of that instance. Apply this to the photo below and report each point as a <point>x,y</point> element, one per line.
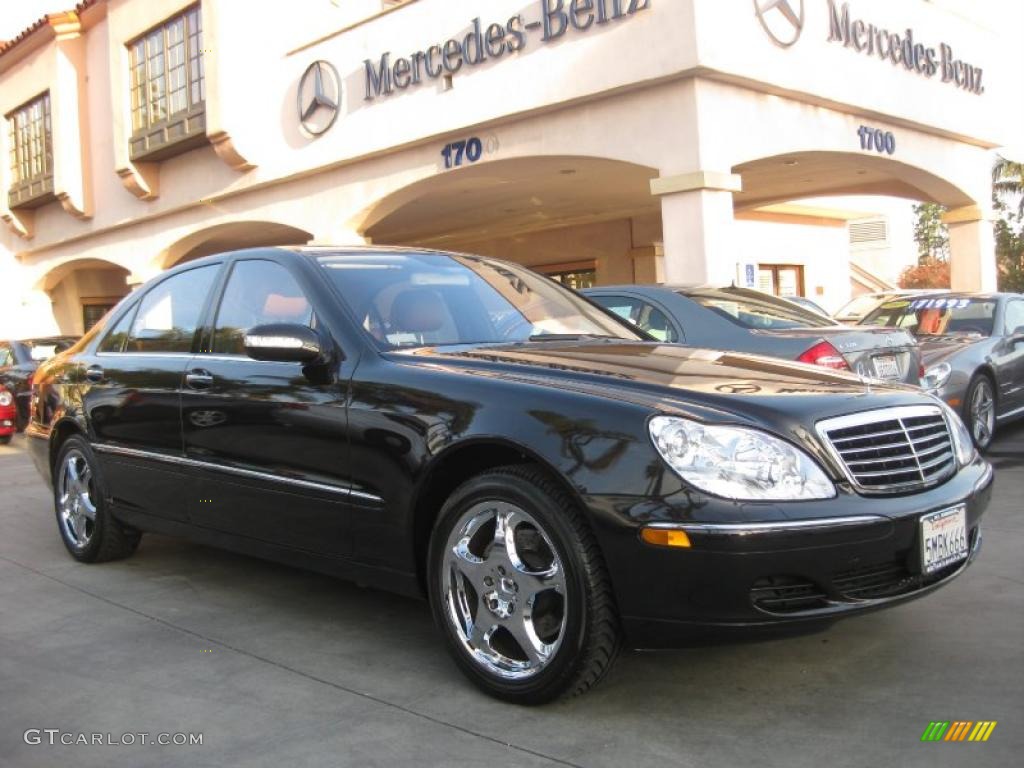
<point>556,483</point>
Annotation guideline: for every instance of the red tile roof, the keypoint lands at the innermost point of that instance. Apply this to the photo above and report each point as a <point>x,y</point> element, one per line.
<point>40,23</point>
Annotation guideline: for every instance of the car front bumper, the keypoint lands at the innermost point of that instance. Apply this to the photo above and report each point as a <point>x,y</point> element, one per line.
<point>762,568</point>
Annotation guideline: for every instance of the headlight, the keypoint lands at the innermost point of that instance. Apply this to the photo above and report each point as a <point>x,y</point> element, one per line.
<point>936,376</point>
<point>963,443</point>
<point>738,463</point>
<point>6,398</point>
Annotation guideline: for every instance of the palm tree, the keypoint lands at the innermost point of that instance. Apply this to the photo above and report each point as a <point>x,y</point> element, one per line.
<point>1008,181</point>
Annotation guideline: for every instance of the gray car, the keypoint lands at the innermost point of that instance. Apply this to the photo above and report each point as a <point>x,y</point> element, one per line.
<point>750,321</point>
<point>972,345</point>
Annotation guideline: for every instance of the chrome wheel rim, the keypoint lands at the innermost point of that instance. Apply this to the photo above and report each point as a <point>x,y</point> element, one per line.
<point>75,500</point>
<point>983,414</point>
<point>504,590</point>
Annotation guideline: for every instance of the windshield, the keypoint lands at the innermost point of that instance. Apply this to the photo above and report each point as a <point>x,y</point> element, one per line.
<point>425,299</point>
<point>758,311</point>
<point>938,316</point>
<point>860,306</point>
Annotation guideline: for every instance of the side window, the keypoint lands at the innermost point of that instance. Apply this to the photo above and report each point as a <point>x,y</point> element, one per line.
<point>169,314</point>
<point>627,309</point>
<point>258,292</point>
<point>6,356</point>
<point>118,335</point>
<point>1014,316</point>
<point>654,321</point>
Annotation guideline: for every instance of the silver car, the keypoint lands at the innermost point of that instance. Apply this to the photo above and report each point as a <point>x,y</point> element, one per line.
<point>743,320</point>
<point>972,345</point>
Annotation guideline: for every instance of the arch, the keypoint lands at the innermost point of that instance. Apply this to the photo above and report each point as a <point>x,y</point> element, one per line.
<point>800,175</point>
<point>230,236</point>
<point>508,197</point>
<point>54,273</point>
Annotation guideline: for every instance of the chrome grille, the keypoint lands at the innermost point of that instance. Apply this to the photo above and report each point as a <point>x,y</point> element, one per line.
<point>893,450</point>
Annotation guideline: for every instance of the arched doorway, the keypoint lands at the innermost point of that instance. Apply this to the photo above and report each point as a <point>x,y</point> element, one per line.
<point>82,291</point>
<point>231,236</point>
<point>858,197</point>
<point>570,217</point>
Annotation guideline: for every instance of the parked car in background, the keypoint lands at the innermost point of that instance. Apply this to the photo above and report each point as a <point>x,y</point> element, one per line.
<point>972,345</point>
<point>554,482</point>
<point>745,320</point>
<point>8,416</point>
<point>861,306</point>
<point>19,359</point>
<point>808,304</point>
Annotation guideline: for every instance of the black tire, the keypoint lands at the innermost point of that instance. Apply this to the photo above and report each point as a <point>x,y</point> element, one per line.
<point>980,390</point>
<point>5,439</point>
<point>103,537</point>
<point>590,637</point>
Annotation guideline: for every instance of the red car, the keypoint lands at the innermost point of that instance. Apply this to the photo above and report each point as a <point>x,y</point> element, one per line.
<point>8,416</point>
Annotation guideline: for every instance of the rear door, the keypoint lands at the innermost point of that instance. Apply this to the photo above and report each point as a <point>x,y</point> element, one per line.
<point>133,399</point>
<point>268,439</point>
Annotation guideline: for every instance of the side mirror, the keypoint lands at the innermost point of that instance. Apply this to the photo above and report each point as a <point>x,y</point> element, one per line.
<point>1017,337</point>
<point>286,343</point>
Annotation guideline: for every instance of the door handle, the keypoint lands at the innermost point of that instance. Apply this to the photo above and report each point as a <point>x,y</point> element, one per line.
<point>199,379</point>
<point>94,373</point>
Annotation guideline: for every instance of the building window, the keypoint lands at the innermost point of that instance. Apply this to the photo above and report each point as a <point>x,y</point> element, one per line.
<point>168,88</point>
<point>576,276</point>
<point>95,310</point>
<point>31,146</point>
<point>781,279</point>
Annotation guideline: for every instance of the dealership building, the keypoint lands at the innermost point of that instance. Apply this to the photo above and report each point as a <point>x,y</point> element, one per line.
<point>598,141</point>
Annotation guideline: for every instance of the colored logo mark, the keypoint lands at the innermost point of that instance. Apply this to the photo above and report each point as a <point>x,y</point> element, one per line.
<point>958,730</point>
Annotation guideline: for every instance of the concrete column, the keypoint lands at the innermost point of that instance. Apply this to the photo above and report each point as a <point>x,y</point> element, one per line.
<point>697,227</point>
<point>972,249</point>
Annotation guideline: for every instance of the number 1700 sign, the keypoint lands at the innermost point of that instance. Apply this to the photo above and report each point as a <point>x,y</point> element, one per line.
<point>460,153</point>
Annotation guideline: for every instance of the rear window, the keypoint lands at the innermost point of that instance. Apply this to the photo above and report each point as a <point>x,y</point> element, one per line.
<point>948,315</point>
<point>758,311</point>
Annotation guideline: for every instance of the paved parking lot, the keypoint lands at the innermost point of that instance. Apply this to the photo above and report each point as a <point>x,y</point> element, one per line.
<point>279,667</point>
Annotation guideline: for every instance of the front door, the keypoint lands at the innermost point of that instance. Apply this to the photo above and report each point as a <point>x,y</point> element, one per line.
<point>268,439</point>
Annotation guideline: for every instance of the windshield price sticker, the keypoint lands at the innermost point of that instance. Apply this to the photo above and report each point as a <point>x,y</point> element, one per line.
<point>940,304</point>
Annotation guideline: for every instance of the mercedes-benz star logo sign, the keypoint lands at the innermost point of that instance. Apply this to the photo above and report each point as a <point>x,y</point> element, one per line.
<point>781,20</point>
<point>319,97</point>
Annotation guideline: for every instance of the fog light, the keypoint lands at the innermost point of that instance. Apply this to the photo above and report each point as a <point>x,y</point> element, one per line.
<point>666,537</point>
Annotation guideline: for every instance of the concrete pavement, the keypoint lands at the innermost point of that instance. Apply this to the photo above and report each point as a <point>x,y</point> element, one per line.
<point>278,667</point>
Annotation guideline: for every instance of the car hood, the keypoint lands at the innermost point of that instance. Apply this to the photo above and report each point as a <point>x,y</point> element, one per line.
<point>940,349</point>
<point>712,384</point>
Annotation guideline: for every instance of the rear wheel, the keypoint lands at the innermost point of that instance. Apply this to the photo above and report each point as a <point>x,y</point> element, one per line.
<point>5,439</point>
<point>519,590</point>
<point>980,411</point>
<point>88,530</point>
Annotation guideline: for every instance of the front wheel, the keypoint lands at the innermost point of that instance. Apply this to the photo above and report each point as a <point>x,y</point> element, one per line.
<point>519,589</point>
<point>980,411</point>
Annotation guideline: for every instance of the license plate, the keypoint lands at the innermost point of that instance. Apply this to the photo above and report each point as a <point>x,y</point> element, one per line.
<point>886,367</point>
<point>943,538</point>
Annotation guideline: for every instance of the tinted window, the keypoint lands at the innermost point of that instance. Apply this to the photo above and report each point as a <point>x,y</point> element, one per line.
<point>757,311</point>
<point>947,315</point>
<point>169,314</point>
<point>115,340</point>
<point>641,314</point>
<point>410,300</point>
<point>1014,316</point>
<point>258,292</point>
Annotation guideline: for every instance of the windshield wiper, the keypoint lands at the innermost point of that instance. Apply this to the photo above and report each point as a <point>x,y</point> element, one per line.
<point>572,337</point>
